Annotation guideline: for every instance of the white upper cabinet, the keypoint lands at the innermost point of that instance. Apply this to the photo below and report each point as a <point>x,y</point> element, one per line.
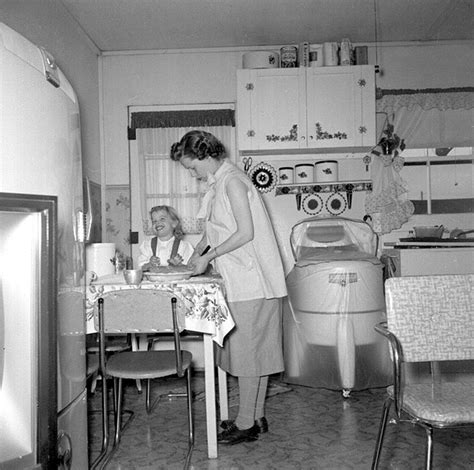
<point>306,108</point>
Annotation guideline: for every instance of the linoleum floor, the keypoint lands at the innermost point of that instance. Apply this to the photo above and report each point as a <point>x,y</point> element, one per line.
<point>309,429</point>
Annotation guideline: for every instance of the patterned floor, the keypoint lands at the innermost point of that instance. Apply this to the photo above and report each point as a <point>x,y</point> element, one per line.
<point>309,429</point>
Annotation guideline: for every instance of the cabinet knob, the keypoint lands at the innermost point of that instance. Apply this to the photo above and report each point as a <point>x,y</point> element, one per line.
<point>303,137</point>
<point>362,82</point>
<point>250,133</point>
<point>249,86</point>
<point>362,130</point>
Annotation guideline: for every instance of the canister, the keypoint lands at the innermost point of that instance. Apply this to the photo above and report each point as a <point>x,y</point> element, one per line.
<point>286,175</point>
<point>260,60</point>
<point>316,55</point>
<point>331,50</point>
<point>289,56</point>
<point>304,173</point>
<point>326,171</point>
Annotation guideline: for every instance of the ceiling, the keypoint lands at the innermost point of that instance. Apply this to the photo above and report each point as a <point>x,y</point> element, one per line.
<point>121,25</point>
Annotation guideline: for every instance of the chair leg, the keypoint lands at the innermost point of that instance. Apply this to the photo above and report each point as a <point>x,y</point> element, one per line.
<point>148,387</point>
<point>190,418</point>
<point>383,424</point>
<point>118,413</point>
<point>429,447</point>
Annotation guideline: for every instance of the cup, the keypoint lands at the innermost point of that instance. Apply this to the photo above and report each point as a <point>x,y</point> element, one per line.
<point>133,276</point>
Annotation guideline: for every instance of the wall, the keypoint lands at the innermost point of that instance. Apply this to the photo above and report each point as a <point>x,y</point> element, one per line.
<point>207,76</point>
<point>48,24</point>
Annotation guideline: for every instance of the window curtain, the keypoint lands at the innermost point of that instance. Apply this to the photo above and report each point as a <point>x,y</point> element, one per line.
<point>430,118</point>
<point>163,181</point>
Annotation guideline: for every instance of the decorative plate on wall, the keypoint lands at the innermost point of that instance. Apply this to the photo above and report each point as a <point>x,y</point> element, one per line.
<point>312,204</point>
<point>336,204</point>
<point>263,177</point>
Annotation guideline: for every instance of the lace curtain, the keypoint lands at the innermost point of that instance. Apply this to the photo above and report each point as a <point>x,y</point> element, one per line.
<point>165,182</point>
<point>424,119</point>
<point>430,118</point>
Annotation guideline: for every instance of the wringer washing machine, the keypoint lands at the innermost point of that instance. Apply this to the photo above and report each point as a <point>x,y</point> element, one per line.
<point>335,297</point>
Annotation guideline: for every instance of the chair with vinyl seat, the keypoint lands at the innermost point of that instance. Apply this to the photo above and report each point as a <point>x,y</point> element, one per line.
<point>429,319</point>
<point>113,344</point>
<point>143,311</point>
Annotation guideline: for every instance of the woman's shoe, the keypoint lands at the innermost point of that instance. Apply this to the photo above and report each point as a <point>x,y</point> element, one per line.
<point>233,435</point>
<point>261,423</point>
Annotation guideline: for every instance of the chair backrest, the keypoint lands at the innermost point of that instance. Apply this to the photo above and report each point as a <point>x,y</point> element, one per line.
<point>140,311</point>
<point>432,316</point>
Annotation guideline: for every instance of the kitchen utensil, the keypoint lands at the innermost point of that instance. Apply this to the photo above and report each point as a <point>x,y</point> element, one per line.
<point>429,231</point>
<point>133,276</point>
<point>349,188</point>
<point>247,161</point>
<point>298,201</point>
<point>313,204</point>
<point>263,177</point>
<point>336,204</point>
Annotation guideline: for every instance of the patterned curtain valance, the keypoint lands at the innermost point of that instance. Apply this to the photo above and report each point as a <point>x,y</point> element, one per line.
<point>429,98</point>
<point>194,118</point>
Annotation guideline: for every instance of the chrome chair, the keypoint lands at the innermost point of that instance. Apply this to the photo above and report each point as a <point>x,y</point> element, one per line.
<point>142,311</point>
<point>429,319</point>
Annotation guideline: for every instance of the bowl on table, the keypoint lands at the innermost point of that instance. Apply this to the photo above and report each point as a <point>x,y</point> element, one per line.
<point>133,276</point>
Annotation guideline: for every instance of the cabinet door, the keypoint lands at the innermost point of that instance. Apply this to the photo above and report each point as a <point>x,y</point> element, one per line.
<point>271,112</point>
<point>341,106</point>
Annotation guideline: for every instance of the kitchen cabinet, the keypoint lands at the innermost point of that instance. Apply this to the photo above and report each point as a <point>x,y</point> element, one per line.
<point>306,108</point>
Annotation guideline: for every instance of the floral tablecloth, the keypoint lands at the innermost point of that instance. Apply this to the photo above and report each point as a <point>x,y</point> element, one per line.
<point>203,297</point>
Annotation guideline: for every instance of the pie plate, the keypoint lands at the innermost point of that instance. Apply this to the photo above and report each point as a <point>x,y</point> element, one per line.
<point>168,276</point>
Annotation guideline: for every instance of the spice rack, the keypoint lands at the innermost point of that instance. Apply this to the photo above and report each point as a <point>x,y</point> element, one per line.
<point>336,186</point>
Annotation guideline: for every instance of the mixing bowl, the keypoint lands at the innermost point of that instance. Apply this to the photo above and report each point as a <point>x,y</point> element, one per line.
<point>133,276</point>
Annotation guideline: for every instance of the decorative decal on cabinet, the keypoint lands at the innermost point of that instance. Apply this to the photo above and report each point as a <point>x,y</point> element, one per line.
<point>320,134</point>
<point>293,135</point>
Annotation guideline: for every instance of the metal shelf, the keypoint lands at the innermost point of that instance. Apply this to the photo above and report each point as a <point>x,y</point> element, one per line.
<point>336,186</point>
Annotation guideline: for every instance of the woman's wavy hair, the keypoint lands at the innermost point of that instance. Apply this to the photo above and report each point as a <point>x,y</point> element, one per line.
<point>171,211</point>
<point>198,145</point>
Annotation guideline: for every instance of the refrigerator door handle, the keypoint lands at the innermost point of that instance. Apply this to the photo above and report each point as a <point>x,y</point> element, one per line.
<point>88,218</point>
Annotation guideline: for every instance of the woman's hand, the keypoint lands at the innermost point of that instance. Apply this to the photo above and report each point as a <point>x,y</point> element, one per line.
<point>198,264</point>
<point>176,260</point>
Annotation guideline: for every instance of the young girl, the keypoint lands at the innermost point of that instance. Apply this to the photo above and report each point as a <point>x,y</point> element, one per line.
<point>168,247</point>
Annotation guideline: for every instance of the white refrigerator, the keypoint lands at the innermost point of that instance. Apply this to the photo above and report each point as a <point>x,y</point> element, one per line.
<point>43,406</point>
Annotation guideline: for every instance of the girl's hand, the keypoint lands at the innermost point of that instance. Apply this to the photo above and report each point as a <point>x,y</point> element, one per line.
<point>154,260</point>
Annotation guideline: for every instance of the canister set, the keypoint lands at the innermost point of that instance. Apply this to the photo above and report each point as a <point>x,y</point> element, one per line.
<point>320,172</point>
<point>308,55</point>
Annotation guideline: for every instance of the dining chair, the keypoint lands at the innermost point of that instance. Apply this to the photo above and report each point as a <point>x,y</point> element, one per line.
<point>429,319</point>
<point>143,311</point>
<point>114,344</point>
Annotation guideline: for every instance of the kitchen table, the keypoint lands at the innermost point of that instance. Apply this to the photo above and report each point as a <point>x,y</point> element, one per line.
<point>206,311</point>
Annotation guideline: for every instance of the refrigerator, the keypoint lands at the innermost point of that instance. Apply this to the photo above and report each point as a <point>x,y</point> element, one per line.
<point>43,407</point>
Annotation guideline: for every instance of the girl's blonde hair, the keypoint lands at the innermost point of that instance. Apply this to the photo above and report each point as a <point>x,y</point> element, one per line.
<point>178,230</point>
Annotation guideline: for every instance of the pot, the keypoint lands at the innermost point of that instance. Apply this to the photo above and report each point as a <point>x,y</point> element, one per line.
<point>429,231</point>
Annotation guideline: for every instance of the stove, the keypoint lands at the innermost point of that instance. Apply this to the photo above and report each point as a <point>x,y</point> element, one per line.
<point>432,243</point>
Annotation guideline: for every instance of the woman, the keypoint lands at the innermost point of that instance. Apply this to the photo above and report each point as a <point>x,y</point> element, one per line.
<point>245,253</point>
